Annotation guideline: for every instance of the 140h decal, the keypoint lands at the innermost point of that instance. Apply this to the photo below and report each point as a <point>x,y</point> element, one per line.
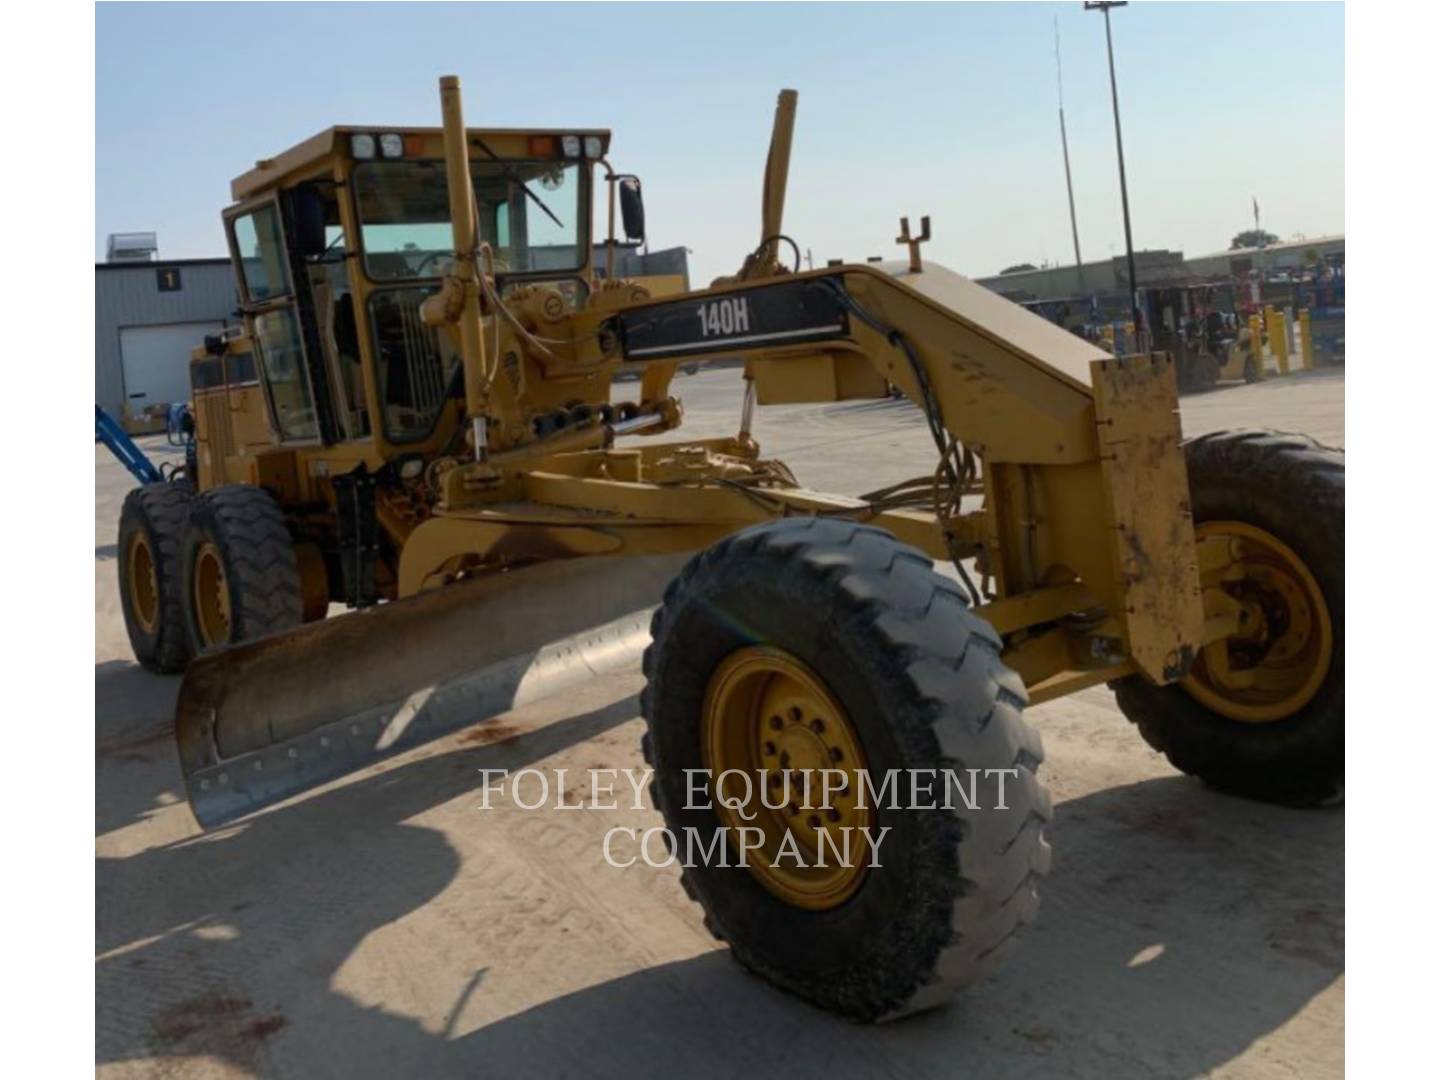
<point>730,315</point>
<point>785,314</point>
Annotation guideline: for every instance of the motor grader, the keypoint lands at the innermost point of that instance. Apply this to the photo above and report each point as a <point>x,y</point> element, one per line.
<point>418,423</point>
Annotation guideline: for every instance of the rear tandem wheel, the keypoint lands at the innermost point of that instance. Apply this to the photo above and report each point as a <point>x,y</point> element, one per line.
<point>1262,713</point>
<point>240,571</point>
<point>148,558</point>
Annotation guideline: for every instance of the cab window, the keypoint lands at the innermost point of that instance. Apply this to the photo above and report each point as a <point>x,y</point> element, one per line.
<point>530,213</point>
<point>260,247</point>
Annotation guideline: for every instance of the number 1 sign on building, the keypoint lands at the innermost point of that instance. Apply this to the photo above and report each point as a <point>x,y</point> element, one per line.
<point>168,278</point>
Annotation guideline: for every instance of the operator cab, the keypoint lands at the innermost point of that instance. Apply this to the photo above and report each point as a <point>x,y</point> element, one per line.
<point>338,241</point>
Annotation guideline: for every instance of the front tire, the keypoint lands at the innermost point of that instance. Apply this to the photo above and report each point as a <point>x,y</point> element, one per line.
<point>240,572</point>
<point>1262,713</point>
<point>857,634</point>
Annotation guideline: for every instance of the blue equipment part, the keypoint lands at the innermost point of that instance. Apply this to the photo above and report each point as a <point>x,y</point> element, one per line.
<point>179,425</point>
<point>110,433</point>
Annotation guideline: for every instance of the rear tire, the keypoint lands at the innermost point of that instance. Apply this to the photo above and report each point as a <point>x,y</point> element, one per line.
<point>240,572</point>
<point>921,681</point>
<point>1293,489</point>
<point>149,563</point>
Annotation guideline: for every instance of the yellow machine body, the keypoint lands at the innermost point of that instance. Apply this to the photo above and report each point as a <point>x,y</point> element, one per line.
<point>479,397</point>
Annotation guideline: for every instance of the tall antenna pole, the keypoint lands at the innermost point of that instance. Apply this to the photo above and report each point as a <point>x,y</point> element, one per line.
<point>1104,6</point>
<point>1065,150</point>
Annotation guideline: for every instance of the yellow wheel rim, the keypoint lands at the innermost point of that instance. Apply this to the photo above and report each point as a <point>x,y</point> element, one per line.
<point>1276,662</point>
<point>765,715</point>
<point>211,592</point>
<point>144,585</point>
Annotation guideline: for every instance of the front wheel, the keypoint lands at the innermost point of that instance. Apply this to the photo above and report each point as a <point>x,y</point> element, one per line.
<point>1262,712</point>
<point>806,647</point>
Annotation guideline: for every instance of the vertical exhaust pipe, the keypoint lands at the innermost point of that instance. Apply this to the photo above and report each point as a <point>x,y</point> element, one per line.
<point>462,224</point>
<point>777,176</point>
<point>777,166</point>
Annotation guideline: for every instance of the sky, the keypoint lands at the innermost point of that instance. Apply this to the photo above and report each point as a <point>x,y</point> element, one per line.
<point>905,109</point>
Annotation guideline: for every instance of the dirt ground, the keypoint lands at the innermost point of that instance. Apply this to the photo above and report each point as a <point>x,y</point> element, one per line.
<point>389,927</point>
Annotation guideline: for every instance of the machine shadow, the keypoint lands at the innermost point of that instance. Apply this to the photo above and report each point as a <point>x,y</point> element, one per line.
<point>134,722</point>
<point>1126,974</point>
<point>182,970</point>
<point>131,702</point>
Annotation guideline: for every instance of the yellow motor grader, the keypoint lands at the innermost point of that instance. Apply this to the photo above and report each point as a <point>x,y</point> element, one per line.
<point>418,423</point>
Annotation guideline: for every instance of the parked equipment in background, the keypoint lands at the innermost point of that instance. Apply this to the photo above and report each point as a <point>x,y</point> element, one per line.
<point>1195,324</point>
<point>421,427</point>
<point>126,452</point>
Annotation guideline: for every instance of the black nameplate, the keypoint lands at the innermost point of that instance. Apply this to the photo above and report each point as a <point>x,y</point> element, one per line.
<point>759,318</point>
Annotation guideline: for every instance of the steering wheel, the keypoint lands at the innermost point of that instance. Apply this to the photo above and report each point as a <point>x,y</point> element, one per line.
<point>418,271</point>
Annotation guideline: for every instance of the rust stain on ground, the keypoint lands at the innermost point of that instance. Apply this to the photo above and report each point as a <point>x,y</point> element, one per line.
<point>1171,824</point>
<point>184,1019</point>
<point>215,1021</point>
<point>264,1027</point>
<point>490,733</point>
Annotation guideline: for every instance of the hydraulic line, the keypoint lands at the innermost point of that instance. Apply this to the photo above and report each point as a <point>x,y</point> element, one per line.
<point>956,463</point>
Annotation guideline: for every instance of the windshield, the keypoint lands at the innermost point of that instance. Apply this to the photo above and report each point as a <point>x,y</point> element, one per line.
<point>405,217</point>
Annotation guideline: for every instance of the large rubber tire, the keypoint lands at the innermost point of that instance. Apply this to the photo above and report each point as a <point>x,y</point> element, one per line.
<point>156,515</point>
<point>247,528</point>
<point>923,683</point>
<point>1294,488</point>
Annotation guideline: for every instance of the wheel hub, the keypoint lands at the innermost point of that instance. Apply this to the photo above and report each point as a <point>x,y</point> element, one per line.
<point>770,717</point>
<point>144,583</point>
<point>211,593</point>
<point>1279,655</point>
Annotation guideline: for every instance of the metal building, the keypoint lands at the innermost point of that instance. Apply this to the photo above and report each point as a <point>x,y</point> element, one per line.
<point>148,316</point>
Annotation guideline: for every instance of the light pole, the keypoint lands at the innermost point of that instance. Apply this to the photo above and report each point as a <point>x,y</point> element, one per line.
<point>1104,7</point>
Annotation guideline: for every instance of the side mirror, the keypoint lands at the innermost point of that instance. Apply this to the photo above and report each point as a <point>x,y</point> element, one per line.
<point>632,208</point>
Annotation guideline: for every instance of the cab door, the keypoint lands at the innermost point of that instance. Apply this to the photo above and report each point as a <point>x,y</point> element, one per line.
<point>285,361</point>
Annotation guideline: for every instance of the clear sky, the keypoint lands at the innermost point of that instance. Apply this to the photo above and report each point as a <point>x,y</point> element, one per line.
<point>910,109</point>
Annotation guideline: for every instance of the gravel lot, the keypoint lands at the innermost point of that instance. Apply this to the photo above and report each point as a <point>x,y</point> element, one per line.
<point>389,927</point>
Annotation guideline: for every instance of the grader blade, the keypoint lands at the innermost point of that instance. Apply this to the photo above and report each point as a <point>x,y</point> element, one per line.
<point>266,720</point>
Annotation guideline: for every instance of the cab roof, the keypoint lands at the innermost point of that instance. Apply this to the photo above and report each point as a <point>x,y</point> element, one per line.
<point>273,172</point>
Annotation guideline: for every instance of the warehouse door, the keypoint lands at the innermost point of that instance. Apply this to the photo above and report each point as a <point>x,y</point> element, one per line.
<point>156,361</point>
